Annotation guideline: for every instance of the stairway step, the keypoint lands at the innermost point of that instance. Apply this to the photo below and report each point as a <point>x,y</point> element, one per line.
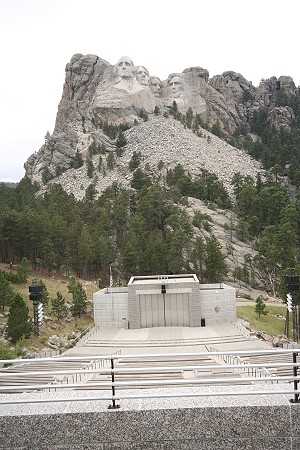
<point>163,343</point>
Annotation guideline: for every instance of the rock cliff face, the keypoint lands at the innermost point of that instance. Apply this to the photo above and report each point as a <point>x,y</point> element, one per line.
<point>97,92</point>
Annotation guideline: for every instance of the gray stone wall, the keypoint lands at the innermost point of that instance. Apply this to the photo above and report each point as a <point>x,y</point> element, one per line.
<point>217,303</point>
<point>111,308</point>
<point>248,423</point>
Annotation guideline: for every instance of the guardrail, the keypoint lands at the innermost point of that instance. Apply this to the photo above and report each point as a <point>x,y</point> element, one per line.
<point>88,333</point>
<point>45,353</point>
<point>243,366</point>
<point>85,332</point>
<point>189,369</point>
<point>247,332</point>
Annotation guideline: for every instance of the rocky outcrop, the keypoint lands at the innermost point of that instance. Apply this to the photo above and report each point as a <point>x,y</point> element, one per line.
<point>222,224</point>
<point>238,94</point>
<point>96,91</point>
<point>271,89</point>
<point>281,117</point>
<point>166,140</point>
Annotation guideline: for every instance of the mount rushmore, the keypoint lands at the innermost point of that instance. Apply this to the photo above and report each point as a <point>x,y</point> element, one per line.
<point>96,91</point>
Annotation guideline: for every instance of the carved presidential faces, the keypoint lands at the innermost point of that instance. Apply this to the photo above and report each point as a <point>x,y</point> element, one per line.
<point>125,84</point>
<point>155,86</point>
<point>176,87</point>
<point>125,68</point>
<point>142,75</point>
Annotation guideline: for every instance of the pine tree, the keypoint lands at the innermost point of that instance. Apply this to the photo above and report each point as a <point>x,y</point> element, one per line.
<point>77,161</point>
<point>6,292</point>
<point>140,180</point>
<point>24,271</point>
<point>46,175</point>
<point>216,129</point>
<point>47,137</point>
<point>198,256</point>
<point>79,305</point>
<point>260,306</point>
<point>90,167</point>
<point>90,192</point>
<point>135,161</point>
<point>215,263</point>
<point>59,307</point>
<point>18,324</point>
<point>110,161</point>
<point>121,141</point>
<point>143,115</point>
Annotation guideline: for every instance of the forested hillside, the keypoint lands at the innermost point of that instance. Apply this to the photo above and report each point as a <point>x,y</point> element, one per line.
<point>145,229</point>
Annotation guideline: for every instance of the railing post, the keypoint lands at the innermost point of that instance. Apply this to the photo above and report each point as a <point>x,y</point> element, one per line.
<point>114,405</point>
<point>295,373</point>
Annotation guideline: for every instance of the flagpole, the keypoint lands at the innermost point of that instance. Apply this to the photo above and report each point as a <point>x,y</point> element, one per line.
<point>111,292</point>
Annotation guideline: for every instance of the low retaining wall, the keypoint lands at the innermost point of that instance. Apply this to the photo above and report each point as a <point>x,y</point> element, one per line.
<point>231,423</point>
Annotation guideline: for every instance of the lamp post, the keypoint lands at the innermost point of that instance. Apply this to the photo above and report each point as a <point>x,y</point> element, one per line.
<point>35,294</point>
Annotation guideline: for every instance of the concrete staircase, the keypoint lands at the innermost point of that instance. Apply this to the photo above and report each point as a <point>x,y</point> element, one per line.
<point>96,341</point>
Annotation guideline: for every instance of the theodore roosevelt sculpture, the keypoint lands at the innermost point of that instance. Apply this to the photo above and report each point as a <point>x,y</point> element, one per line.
<point>142,75</point>
<point>155,86</point>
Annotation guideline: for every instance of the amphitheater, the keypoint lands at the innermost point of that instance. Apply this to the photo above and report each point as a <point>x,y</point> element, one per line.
<point>170,387</point>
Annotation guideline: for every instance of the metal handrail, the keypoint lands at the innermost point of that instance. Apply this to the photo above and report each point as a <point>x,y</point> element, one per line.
<point>156,369</point>
<point>156,355</point>
<point>236,363</point>
<point>123,384</point>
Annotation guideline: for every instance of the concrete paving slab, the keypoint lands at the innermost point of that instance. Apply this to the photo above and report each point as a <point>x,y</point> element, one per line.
<point>251,344</point>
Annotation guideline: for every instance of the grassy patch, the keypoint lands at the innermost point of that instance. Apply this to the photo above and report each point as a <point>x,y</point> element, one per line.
<point>273,323</point>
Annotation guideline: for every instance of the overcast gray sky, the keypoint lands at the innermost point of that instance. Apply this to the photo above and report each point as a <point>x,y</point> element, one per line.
<point>257,38</point>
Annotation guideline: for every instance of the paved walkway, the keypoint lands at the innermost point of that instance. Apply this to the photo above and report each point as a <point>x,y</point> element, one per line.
<point>251,303</point>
